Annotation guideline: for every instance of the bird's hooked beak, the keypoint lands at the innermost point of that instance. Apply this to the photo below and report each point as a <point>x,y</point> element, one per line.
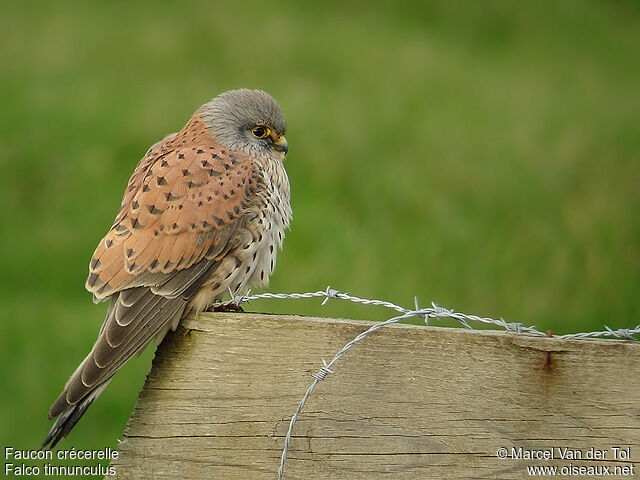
<point>280,143</point>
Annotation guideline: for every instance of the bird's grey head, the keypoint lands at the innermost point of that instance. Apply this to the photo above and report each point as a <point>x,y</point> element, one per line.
<point>248,120</point>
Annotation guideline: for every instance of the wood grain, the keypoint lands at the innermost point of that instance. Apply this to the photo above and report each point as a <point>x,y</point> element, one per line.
<point>408,402</point>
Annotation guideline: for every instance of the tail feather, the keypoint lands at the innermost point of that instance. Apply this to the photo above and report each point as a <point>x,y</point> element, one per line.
<point>94,373</point>
<point>135,317</point>
<point>69,417</point>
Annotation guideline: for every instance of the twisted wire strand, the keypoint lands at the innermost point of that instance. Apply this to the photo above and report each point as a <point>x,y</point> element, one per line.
<point>436,312</point>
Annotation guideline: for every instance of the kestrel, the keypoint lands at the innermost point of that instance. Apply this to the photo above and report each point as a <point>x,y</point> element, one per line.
<point>204,214</point>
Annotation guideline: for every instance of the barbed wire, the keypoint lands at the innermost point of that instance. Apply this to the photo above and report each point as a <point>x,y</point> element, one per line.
<point>435,311</point>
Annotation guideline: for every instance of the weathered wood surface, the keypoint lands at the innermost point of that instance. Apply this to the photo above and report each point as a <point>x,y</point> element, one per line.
<point>409,402</point>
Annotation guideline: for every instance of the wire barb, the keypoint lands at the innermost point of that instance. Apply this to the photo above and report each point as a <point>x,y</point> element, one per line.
<point>330,293</point>
<point>323,372</point>
<point>624,333</point>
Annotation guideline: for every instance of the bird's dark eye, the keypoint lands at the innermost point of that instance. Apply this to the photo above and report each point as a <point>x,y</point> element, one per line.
<point>260,131</point>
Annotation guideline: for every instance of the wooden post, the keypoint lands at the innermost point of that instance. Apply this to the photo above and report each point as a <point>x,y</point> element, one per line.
<point>409,402</point>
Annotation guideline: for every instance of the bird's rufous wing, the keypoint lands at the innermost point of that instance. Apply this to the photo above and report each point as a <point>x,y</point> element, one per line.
<point>180,206</point>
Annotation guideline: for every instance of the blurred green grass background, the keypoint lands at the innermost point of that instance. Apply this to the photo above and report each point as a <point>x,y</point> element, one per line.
<point>483,155</point>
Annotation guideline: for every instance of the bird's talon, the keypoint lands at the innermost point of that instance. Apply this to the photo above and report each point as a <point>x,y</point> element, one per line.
<point>228,307</point>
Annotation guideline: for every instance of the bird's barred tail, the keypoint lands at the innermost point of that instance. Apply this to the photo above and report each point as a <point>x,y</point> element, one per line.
<point>135,317</point>
<point>69,417</point>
